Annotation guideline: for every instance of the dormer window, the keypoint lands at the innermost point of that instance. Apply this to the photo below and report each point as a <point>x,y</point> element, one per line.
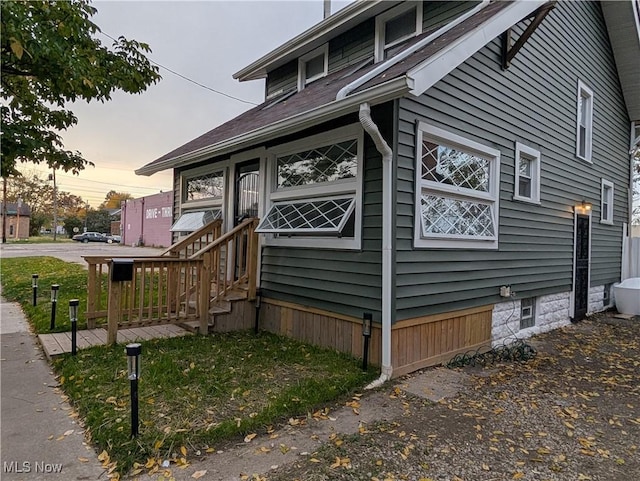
<point>396,27</point>
<point>312,66</point>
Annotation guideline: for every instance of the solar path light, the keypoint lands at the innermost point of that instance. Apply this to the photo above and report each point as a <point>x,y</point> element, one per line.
<point>73,316</point>
<point>54,304</point>
<point>133,365</point>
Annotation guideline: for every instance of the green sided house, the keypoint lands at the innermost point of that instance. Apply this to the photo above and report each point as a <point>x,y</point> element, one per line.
<point>461,170</point>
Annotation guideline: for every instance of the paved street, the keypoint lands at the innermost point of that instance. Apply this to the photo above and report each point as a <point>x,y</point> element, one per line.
<point>73,252</point>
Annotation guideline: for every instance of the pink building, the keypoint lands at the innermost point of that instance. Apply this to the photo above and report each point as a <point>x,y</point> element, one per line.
<point>147,220</point>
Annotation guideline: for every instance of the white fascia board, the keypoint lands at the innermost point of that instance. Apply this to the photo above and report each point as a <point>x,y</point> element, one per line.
<point>435,68</point>
<point>308,39</point>
<point>375,95</point>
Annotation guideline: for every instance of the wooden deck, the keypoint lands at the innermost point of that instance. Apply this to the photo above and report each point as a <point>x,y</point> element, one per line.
<point>58,343</point>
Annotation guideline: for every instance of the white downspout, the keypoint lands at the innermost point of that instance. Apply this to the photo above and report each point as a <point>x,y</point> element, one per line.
<point>347,89</point>
<point>372,129</point>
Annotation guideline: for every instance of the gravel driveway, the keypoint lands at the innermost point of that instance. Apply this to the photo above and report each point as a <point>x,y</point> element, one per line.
<point>572,413</point>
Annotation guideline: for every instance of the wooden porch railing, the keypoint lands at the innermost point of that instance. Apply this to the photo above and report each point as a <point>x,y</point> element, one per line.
<point>195,241</point>
<point>174,287</point>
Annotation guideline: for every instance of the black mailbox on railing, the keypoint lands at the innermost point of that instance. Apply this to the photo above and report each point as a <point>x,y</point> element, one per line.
<point>121,270</point>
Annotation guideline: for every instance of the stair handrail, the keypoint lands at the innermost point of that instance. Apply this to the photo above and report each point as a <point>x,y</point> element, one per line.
<point>175,248</point>
<point>223,238</point>
<point>248,225</point>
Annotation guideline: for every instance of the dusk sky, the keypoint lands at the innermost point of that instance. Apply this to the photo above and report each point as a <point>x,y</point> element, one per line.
<point>206,41</point>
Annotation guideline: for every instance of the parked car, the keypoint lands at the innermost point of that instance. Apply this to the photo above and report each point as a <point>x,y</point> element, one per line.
<point>90,237</point>
<point>113,239</point>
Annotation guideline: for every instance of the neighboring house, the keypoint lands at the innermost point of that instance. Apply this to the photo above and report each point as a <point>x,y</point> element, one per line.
<point>460,170</point>
<point>18,221</point>
<point>147,220</point>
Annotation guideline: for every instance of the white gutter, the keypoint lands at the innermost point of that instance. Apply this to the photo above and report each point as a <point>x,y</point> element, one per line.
<point>379,94</point>
<point>387,184</point>
<point>347,89</point>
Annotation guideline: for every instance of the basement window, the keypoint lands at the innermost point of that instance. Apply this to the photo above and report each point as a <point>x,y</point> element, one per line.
<point>527,313</point>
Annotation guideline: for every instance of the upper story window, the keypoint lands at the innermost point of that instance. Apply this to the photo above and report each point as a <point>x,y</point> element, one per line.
<point>527,174</point>
<point>584,121</point>
<point>313,66</point>
<point>316,185</point>
<point>606,202</point>
<point>457,183</point>
<point>396,26</point>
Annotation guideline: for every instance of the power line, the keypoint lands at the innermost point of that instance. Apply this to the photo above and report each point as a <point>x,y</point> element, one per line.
<point>187,78</point>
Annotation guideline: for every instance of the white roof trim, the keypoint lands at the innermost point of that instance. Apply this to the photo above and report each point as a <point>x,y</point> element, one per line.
<point>313,37</point>
<point>436,67</point>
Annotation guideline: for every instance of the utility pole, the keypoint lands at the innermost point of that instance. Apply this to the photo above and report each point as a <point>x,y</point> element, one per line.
<point>4,210</point>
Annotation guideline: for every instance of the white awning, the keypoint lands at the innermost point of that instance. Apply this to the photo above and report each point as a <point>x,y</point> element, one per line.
<point>192,221</point>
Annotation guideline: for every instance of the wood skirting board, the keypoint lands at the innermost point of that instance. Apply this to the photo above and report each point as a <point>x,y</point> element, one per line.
<point>415,343</point>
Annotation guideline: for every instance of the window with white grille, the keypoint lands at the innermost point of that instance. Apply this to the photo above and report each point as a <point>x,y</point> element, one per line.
<point>316,191</point>
<point>457,191</point>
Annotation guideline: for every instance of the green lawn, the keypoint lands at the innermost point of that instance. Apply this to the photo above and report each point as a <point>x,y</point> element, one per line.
<point>195,391</point>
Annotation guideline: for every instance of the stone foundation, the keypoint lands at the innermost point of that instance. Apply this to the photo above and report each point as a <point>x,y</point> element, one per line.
<point>551,312</point>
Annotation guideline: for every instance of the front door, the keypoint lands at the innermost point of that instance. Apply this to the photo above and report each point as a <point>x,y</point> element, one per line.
<point>581,283</point>
<point>246,190</point>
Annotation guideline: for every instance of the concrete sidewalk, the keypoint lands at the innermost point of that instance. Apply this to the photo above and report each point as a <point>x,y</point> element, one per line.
<point>40,440</point>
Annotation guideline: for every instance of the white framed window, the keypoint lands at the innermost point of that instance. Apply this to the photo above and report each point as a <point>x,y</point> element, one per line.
<point>313,66</point>
<point>315,191</point>
<point>191,221</point>
<point>457,187</point>
<point>203,186</point>
<point>527,174</point>
<point>396,26</point>
<point>527,312</point>
<point>584,122</point>
<point>606,202</point>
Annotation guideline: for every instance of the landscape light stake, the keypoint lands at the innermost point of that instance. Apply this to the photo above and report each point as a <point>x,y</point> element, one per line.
<point>73,315</point>
<point>34,287</point>
<point>367,319</point>
<point>133,364</point>
<point>258,302</point>
<point>54,304</point>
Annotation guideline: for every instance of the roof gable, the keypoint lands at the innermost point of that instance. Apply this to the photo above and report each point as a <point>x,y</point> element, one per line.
<point>425,60</point>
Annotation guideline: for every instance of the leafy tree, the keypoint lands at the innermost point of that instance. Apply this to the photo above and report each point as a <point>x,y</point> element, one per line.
<point>99,221</point>
<point>50,56</point>
<point>72,222</point>
<point>112,199</point>
<point>37,193</point>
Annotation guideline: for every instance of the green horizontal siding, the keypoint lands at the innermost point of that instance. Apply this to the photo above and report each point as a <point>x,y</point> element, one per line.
<point>532,102</point>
